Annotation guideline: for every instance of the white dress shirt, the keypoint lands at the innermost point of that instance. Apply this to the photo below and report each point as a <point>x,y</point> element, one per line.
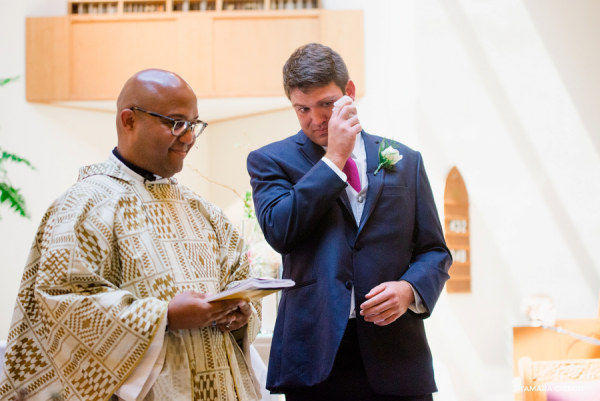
<point>357,202</point>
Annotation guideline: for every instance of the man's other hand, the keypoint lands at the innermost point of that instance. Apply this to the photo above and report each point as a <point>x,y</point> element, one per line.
<point>387,302</point>
<point>341,133</point>
<point>240,318</point>
<point>189,310</point>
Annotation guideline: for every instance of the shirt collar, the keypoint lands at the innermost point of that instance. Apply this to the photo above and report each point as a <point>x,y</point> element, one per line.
<point>147,175</point>
<point>359,146</point>
<point>125,167</point>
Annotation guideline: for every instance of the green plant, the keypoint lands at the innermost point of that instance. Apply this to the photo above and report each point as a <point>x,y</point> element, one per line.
<point>4,81</point>
<point>8,193</point>
<point>249,206</point>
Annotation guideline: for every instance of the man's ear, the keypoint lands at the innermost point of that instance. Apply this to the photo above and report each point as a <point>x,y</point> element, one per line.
<point>127,119</point>
<point>351,90</point>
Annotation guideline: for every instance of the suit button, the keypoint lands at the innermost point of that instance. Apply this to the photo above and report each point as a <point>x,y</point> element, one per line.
<point>358,246</point>
<point>349,285</point>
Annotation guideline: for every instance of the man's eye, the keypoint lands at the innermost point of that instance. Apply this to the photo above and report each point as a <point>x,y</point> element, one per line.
<point>303,110</point>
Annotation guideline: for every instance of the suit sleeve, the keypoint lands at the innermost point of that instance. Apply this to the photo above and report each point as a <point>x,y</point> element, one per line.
<point>431,260</point>
<point>287,212</point>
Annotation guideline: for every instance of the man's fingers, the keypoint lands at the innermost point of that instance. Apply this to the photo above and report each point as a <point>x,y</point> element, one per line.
<point>227,304</point>
<point>198,295</point>
<point>340,103</point>
<point>216,315</point>
<point>226,319</point>
<point>380,297</point>
<point>233,326</point>
<point>347,110</point>
<point>381,316</point>
<point>378,309</point>
<point>390,319</point>
<point>353,121</point>
<point>246,309</point>
<point>375,291</point>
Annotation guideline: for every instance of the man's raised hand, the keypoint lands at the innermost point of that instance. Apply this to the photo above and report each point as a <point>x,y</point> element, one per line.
<point>342,130</point>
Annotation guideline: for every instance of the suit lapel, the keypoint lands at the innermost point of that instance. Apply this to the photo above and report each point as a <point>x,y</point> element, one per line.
<point>310,150</point>
<point>375,181</point>
<point>314,153</point>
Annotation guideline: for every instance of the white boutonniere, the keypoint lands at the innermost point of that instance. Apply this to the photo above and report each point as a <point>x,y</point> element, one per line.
<point>388,156</point>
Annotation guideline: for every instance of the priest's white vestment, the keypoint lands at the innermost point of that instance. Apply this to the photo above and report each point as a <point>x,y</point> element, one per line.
<point>90,315</point>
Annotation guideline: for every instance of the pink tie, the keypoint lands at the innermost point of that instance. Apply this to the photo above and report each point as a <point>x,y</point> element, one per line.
<point>351,172</point>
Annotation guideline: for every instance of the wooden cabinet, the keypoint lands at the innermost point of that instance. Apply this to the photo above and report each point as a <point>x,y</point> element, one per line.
<point>221,54</point>
<point>83,7</point>
<point>457,229</point>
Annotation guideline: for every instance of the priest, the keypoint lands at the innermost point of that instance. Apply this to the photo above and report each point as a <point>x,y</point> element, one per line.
<point>112,304</point>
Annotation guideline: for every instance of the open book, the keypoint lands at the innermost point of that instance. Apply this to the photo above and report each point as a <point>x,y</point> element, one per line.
<point>252,289</point>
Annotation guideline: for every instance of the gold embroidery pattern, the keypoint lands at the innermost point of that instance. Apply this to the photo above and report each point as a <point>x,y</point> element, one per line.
<point>29,358</point>
<point>107,257</point>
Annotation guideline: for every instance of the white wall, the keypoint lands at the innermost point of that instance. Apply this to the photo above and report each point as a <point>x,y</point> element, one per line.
<point>491,100</point>
<point>507,90</point>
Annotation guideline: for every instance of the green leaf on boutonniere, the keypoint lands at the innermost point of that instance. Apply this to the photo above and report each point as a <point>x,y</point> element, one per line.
<point>388,156</point>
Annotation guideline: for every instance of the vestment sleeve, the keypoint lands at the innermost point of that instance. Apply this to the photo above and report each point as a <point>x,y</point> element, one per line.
<point>143,377</point>
<point>87,334</point>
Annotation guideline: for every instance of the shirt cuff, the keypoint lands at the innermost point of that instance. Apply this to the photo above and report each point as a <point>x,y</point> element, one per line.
<point>416,306</point>
<point>336,169</point>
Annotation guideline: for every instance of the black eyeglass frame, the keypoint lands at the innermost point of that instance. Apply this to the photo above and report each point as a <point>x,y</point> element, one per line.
<point>187,124</point>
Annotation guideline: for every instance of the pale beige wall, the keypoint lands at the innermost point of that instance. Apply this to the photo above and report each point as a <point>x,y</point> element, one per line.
<point>227,143</point>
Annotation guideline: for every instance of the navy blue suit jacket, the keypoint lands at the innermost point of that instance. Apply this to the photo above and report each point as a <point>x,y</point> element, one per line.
<point>304,212</point>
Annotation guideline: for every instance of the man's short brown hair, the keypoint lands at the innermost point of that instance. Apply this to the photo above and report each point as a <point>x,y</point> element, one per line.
<point>314,66</point>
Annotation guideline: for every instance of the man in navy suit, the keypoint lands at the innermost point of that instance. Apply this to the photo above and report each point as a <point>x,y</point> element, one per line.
<point>366,250</point>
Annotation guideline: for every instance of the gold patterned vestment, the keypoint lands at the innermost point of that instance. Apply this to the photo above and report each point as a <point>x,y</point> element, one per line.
<point>108,256</point>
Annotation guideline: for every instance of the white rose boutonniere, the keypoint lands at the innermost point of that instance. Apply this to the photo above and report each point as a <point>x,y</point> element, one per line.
<point>388,156</point>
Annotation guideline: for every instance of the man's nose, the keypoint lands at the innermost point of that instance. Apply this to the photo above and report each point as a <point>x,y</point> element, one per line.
<point>319,117</point>
<point>187,137</point>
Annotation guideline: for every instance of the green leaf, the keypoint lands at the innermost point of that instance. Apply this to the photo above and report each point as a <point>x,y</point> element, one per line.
<point>4,81</point>
<point>14,158</point>
<point>248,207</point>
<point>13,198</point>
<point>9,194</point>
<point>382,147</point>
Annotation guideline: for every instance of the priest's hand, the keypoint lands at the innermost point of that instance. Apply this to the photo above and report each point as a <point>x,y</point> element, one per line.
<point>240,318</point>
<point>189,310</point>
<point>387,302</point>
